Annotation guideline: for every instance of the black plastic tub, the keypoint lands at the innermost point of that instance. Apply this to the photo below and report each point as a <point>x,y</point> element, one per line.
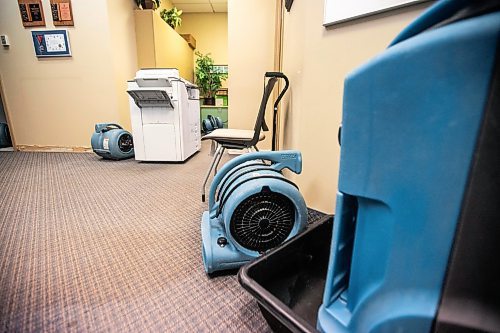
<point>288,282</point>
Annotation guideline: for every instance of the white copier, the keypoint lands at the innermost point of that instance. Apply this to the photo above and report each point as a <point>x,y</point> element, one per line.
<point>165,115</point>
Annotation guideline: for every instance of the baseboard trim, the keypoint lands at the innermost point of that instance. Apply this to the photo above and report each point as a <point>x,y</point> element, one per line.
<point>53,149</point>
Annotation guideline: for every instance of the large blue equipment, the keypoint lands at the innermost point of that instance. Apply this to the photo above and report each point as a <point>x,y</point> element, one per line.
<point>417,213</point>
<point>5,140</point>
<point>252,208</point>
<point>211,123</point>
<point>111,141</point>
<point>416,234</point>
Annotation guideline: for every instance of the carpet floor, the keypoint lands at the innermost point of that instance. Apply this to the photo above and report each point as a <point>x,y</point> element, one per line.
<point>93,245</point>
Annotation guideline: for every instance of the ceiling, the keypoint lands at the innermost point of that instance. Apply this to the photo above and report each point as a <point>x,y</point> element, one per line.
<point>201,6</point>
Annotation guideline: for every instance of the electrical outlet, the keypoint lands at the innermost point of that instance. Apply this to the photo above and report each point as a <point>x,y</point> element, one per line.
<point>4,39</point>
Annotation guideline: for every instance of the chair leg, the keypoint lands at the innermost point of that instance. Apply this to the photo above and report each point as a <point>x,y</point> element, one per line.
<point>218,160</point>
<point>213,148</point>
<point>257,149</point>
<point>215,160</point>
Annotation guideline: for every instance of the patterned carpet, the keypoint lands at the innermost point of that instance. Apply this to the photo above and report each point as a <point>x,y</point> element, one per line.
<point>93,245</point>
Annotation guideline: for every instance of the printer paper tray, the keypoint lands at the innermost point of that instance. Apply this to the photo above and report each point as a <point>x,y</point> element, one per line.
<point>150,97</point>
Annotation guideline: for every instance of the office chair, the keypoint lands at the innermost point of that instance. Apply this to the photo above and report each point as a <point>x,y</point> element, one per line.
<point>243,139</point>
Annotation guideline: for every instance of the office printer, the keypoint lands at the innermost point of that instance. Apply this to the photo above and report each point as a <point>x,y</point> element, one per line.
<point>165,115</point>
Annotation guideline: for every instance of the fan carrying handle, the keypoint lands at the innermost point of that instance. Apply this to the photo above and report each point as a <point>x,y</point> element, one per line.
<point>275,107</point>
<point>285,159</point>
<point>104,127</point>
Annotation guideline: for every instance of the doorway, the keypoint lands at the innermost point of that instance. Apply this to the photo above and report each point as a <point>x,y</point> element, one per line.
<point>6,142</point>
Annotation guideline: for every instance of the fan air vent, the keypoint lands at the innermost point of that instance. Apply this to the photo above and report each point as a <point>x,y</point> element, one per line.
<point>263,221</point>
<point>125,143</point>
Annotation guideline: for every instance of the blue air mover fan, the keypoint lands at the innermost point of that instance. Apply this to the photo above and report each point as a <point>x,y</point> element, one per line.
<point>211,123</point>
<point>5,136</point>
<point>111,141</point>
<point>252,208</point>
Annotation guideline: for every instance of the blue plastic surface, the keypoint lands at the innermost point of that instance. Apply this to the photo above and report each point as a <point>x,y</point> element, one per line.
<point>410,123</point>
<point>250,170</point>
<point>105,140</point>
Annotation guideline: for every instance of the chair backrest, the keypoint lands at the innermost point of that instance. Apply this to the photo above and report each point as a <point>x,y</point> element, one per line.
<point>260,122</point>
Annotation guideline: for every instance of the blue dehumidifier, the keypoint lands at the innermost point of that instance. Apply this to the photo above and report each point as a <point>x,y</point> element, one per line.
<point>111,141</point>
<point>211,123</point>
<point>416,234</point>
<point>252,208</point>
<point>417,222</point>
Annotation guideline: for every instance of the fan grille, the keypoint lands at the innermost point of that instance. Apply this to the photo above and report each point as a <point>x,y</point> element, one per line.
<point>125,143</point>
<point>263,221</point>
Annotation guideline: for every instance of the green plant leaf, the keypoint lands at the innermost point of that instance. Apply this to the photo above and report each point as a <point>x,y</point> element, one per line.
<point>208,80</point>
<point>172,17</point>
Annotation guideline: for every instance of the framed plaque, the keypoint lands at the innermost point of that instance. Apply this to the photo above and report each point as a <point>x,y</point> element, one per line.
<point>31,13</point>
<point>62,13</point>
<point>51,43</point>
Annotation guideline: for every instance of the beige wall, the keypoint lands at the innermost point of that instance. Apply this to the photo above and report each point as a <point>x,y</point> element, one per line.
<point>250,55</point>
<point>158,45</point>
<point>316,60</point>
<point>210,32</point>
<point>57,101</point>
<point>124,53</point>
<point>144,35</point>
<point>172,50</point>
<point>165,4</point>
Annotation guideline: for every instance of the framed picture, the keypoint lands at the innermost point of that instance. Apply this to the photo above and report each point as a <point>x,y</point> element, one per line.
<point>51,43</point>
<point>31,13</point>
<point>220,69</point>
<point>339,11</point>
<point>62,13</point>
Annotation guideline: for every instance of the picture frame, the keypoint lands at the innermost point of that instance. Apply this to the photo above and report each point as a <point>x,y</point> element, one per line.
<point>340,11</point>
<point>220,69</point>
<point>31,12</point>
<point>62,12</point>
<point>51,43</point>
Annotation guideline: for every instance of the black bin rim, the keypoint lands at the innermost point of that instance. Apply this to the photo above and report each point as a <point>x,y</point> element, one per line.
<point>270,302</point>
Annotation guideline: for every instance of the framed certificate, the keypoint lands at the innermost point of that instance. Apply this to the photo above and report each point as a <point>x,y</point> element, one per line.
<point>62,13</point>
<point>31,13</point>
<point>51,43</point>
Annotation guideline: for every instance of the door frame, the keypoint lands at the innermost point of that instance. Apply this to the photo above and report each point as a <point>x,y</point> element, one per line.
<point>7,115</point>
<point>278,63</point>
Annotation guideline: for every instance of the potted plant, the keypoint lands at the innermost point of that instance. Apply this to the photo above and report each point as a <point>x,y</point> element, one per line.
<point>172,17</point>
<point>148,4</point>
<point>208,80</point>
